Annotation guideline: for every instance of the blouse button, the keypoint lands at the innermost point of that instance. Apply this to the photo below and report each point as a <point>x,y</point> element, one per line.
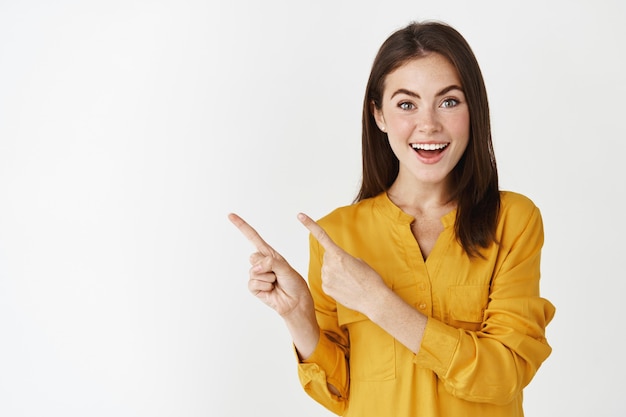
<point>422,306</point>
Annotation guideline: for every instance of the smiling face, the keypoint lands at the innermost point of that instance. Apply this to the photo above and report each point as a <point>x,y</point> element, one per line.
<point>425,115</point>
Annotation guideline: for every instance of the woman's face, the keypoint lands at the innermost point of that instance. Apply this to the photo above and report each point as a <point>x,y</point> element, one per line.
<point>426,118</point>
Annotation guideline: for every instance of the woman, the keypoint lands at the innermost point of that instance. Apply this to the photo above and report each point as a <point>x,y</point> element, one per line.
<point>423,295</point>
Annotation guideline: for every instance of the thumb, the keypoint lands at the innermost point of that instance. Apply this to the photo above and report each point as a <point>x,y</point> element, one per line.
<point>318,233</point>
<point>277,265</point>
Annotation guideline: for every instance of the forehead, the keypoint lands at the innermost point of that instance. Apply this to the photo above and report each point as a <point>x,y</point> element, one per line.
<point>431,71</point>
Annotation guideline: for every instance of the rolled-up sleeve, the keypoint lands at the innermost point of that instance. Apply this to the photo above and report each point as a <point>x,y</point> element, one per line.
<point>495,363</point>
<point>329,362</point>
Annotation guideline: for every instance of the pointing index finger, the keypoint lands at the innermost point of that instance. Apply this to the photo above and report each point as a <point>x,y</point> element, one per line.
<point>318,232</point>
<point>251,234</point>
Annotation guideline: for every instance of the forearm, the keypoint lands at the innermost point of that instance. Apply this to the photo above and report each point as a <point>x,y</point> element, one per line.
<point>397,317</point>
<point>304,329</point>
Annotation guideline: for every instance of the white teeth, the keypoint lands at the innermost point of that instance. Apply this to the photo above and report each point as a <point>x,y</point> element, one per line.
<point>429,146</point>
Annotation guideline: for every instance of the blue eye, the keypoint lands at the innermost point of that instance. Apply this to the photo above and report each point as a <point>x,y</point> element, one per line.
<point>406,105</point>
<point>450,102</point>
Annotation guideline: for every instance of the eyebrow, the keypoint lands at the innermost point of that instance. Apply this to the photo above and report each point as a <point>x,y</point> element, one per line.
<point>440,93</point>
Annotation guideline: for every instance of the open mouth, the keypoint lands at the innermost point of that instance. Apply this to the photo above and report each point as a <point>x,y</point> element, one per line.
<point>429,149</point>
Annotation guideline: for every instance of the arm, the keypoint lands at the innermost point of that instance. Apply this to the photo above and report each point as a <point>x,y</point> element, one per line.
<point>278,285</point>
<point>495,363</point>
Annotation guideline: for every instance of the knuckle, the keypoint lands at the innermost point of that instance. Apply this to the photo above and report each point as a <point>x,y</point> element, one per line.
<point>252,287</point>
<point>268,262</point>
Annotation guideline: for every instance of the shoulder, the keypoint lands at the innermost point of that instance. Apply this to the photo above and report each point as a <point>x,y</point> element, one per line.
<point>348,214</point>
<point>358,221</point>
<point>518,214</point>
<point>516,203</point>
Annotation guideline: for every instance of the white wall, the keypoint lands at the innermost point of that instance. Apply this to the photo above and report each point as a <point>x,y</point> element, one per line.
<point>129,129</point>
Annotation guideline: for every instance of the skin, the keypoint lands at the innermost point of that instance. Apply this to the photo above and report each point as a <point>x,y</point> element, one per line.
<point>422,103</point>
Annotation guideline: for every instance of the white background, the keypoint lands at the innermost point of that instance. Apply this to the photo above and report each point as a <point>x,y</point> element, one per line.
<point>129,129</point>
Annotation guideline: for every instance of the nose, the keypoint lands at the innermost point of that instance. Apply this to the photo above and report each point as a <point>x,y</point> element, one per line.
<point>427,120</point>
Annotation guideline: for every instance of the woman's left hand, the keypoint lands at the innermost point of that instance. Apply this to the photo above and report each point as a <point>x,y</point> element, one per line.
<point>349,280</point>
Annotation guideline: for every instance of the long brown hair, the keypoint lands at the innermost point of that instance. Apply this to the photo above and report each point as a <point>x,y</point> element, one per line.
<point>475,177</point>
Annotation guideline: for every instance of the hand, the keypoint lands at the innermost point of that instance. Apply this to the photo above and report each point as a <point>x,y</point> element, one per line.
<point>272,279</point>
<point>350,281</point>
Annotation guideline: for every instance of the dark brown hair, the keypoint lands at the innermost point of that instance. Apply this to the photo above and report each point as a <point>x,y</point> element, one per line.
<point>475,177</point>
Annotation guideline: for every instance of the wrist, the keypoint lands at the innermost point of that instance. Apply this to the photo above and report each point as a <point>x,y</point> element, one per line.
<point>378,304</point>
<point>304,329</point>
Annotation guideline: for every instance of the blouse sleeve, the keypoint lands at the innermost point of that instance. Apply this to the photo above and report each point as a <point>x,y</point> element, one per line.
<point>495,363</point>
<point>329,362</point>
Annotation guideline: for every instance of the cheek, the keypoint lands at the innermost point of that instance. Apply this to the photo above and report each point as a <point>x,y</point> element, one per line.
<point>460,126</point>
<point>401,126</point>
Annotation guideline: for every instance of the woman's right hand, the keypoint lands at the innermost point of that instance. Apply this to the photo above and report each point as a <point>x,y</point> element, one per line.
<point>272,279</point>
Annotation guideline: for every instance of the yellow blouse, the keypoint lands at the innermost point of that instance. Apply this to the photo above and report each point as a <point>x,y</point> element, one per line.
<point>485,336</point>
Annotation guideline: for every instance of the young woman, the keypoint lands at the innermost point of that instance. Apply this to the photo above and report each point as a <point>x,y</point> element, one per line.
<point>423,296</point>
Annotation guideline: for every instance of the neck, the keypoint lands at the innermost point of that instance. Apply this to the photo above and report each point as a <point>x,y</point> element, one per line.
<point>418,197</point>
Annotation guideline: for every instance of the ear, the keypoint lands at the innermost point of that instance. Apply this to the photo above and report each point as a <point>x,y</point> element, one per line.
<point>378,116</point>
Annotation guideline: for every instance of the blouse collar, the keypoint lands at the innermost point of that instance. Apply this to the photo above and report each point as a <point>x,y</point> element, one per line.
<point>395,213</point>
